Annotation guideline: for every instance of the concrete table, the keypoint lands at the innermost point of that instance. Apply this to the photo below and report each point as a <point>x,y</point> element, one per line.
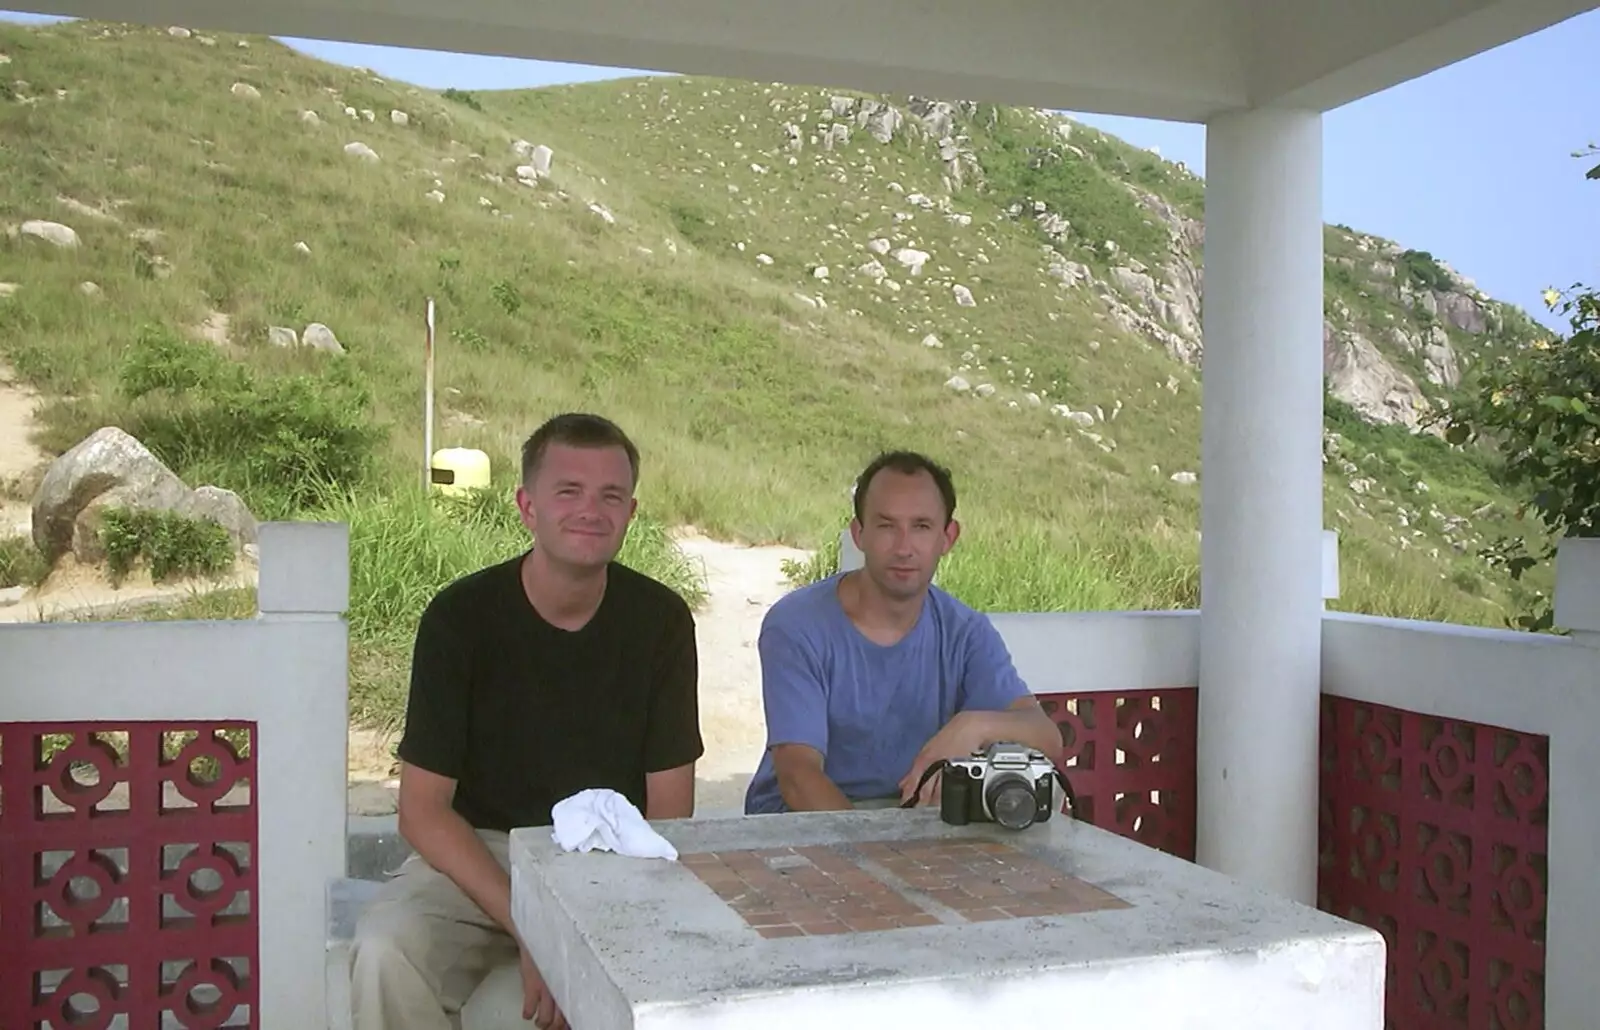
<point>892,918</point>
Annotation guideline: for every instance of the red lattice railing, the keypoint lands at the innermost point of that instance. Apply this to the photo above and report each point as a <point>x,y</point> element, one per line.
<point>1130,756</point>
<point>127,875</point>
<point>1433,832</point>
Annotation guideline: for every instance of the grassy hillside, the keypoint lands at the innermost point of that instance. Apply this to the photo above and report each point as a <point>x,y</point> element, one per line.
<point>666,273</point>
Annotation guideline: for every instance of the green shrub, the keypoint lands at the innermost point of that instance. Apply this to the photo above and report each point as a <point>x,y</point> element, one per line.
<point>173,545</point>
<point>281,442</point>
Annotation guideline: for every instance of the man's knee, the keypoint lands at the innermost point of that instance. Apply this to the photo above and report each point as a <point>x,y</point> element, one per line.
<point>391,933</point>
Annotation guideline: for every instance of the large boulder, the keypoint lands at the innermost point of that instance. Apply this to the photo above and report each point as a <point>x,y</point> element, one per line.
<point>110,468</point>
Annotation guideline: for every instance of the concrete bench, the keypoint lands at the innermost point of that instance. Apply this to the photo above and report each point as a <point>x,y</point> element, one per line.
<point>375,851</point>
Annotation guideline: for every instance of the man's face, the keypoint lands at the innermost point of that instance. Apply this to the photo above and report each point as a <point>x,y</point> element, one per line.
<point>902,532</point>
<point>579,504</point>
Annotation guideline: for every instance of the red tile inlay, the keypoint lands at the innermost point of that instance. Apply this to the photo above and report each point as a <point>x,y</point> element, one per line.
<point>815,891</point>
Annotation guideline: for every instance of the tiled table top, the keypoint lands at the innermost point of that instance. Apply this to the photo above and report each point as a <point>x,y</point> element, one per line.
<point>855,915</point>
<point>889,885</point>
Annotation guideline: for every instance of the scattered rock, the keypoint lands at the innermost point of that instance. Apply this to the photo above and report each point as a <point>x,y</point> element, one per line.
<point>51,232</point>
<point>302,248</point>
<point>912,259</point>
<point>1185,478</point>
<point>963,296</point>
<point>361,150</point>
<point>399,118</point>
<point>247,91</point>
<point>179,32</point>
<point>435,196</point>
<point>958,384</point>
<point>110,468</point>
<point>282,336</point>
<point>9,289</point>
<point>319,337</point>
<point>310,117</point>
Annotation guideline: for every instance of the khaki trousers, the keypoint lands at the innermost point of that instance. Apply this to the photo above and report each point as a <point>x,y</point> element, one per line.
<point>422,946</point>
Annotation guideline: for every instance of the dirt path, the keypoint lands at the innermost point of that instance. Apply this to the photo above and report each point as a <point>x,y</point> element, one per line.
<point>744,583</point>
<point>19,458</point>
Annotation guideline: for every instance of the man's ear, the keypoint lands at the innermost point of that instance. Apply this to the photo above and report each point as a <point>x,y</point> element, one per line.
<point>525,508</point>
<point>952,533</point>
<point>855,533</point>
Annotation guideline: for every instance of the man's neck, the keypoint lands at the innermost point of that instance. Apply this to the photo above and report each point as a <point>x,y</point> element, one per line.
<point>880,618</point>
<point>564,597</point>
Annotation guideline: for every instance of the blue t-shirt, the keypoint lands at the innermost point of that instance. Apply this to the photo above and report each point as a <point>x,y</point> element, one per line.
<point>867,708</point>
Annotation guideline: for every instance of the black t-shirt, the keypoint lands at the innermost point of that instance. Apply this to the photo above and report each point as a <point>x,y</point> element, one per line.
<point>523,714</point>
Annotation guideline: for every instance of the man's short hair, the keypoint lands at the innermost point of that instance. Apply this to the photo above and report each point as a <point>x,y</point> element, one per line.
<point>908,463</point>
<point>576,429</point>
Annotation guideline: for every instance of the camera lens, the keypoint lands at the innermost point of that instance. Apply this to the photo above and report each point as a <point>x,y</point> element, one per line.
<point>1011,803</point>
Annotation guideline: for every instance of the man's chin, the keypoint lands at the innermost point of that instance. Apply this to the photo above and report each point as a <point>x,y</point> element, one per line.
<point>584,552</point>
<point>901,588</point>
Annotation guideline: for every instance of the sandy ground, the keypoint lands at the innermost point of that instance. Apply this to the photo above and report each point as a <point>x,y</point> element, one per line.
<point>743,582</point>
<point>20,460</point>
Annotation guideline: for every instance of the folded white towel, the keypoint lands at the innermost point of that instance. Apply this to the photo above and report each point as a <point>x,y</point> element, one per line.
<point>606,820</point>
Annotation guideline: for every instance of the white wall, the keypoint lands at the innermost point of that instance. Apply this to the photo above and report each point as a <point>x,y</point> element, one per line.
<point>1058,653</point>
<point>286,670</point>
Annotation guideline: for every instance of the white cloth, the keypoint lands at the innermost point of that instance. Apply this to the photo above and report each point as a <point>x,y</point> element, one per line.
<point>605,820</point>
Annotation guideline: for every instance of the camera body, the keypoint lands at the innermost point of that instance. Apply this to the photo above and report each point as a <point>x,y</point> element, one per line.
<point>1008,784</point>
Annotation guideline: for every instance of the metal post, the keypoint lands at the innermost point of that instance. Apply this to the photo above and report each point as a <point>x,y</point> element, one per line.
<point>427,407</point>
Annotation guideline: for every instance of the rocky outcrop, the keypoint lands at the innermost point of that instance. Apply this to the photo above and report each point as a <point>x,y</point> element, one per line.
<point>110,468</point>
<point>1359,374</point>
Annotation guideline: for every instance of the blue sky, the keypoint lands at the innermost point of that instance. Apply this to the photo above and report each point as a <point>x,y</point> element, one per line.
<point>1473,163</point>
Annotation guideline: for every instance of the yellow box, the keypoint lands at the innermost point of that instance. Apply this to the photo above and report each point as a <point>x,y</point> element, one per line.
<point>456,470</point>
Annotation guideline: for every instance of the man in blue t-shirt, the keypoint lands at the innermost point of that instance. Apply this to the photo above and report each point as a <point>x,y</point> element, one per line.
<point>869,677</point>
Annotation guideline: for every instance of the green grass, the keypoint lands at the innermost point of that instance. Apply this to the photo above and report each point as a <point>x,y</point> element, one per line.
<point>21,564</point>
<point>754,406</point>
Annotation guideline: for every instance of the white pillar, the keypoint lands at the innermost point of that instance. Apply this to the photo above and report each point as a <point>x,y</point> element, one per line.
<point>1261,501</point>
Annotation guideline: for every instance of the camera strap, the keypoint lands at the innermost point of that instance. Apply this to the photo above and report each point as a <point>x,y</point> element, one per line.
<point>936,767</point>
<point>941,764</point>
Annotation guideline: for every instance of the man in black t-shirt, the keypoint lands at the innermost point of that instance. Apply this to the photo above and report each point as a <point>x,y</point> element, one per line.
<point>531,680</point>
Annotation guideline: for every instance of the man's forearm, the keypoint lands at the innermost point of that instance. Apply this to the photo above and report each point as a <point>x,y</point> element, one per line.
<point>1024,726</point>
<point>448,843</point>
<point>809,789</point>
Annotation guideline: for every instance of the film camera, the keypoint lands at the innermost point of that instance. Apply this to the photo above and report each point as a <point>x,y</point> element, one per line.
<point>1008,784</point>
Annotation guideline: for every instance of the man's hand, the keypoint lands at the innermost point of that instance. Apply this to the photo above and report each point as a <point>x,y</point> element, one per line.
<point>538,1004</point>
<point>965,733</point>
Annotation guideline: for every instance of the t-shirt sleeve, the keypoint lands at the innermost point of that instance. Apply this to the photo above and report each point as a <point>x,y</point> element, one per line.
<point>989,679</point>
<point>793,693</point>
<point>672,733</point>
<point>437,719</point>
